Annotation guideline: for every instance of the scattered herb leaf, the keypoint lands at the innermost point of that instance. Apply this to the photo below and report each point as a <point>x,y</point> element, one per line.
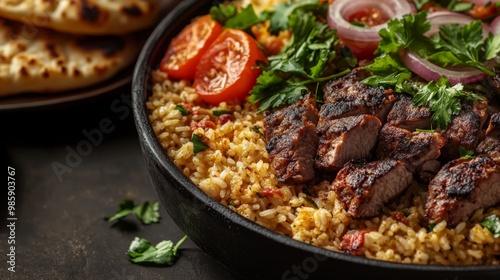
<point>406,212</point>
<point>164,253</point>
<point>358,24</point>
<point>198,144</point>
<point>425,130</point>
<point>219,113</point>
<point>311,202</point>
<point>257,130</point>
<point>492,223</point>
<point>464,153</point>
<point>183,110</point>
<point>147,212</point>
<point>431,226</point>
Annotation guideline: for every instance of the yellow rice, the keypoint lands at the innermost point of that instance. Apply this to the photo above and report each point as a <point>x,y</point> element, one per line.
<point>236,167</point>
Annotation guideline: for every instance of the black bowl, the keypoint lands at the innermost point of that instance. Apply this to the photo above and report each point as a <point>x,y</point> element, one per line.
<point>248,249</point>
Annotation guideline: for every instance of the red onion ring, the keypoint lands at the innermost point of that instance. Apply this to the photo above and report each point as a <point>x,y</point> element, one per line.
<point>431,72</point>
<point>495,26</point>
<point>445,17</point>
<point>363,39</point>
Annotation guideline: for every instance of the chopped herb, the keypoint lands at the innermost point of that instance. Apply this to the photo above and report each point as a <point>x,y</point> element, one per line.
<point>406,212</point>
<point>164,253</point>
<point>431,226</point>
<point>492,223</point>
<point>461,7</point>
<point>425,130</point>
<point>464,153</point>
<point>283,12</point>
<point>257,130</point>
<point>359,24</point>
<point>183,110</point>
<point>311,202</point>
<point>234,203</point>
<point>219,113</point>
<point>223,13</point>
<point>198,144</point>
<point>147,212</point>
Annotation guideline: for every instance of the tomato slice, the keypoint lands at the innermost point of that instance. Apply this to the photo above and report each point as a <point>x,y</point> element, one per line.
<point>186,49</point>
<point>227,71</point>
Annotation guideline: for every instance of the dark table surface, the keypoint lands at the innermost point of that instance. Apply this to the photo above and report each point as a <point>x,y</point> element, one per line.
<point>60,232</point>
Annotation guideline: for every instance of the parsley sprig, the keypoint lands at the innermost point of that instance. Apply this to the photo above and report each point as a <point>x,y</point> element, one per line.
<point>304,62</point>
<point>454,45</point>
<point>163,253</point>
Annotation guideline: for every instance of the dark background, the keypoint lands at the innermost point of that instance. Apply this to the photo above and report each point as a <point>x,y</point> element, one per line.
<point>60,231</point>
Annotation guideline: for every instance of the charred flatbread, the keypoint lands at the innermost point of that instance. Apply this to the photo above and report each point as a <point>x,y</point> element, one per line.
<point>90,17</point>
<point>34,59</point>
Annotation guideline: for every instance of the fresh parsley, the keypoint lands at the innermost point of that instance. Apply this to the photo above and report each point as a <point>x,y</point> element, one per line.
<point>147,213</point>
<point>492,223</point>
<point>229,16</point>
<point>303,63</point>
<point>199,144</point>
<point>452,5</point>
<point>311,202</point>
<point>163,253</point>
<point>454,45</point>
<point>443,100</point>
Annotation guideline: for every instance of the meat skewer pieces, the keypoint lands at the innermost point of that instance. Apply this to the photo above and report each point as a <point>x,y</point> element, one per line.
<point>292,141</point>
<point>364,188</point>
<point>461,187</point>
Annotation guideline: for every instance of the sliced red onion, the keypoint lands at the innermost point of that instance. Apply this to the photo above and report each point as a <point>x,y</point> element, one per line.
<point>357,37</point>
<point>495,26</point>
<point>431,72</point>
<point>439,18</point>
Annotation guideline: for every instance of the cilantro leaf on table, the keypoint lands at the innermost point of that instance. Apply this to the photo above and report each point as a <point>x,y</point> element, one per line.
<point>164,253</point>
<point>147,212</point>
<point>492,223</point>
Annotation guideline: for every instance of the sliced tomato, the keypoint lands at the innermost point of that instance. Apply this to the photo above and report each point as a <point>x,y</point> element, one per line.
<point>185,50</point>
<point>483,11</point>
<point>227,70</point>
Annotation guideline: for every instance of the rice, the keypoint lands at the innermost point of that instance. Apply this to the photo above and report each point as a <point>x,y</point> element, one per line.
<point>235,170</point>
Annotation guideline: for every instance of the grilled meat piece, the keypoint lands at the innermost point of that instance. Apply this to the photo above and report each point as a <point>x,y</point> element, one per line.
<point>292,141</point>
<point>428,170</point>
<point>464,131</point>
<point>404,114</point>
<point>493,129</point>
<point>339,110</point>
<point>411,148</point>
<point>350,138</point>
<point>461,187</point>
<point>490,147</point>
<point>353,94</point>
<point>363,189</point>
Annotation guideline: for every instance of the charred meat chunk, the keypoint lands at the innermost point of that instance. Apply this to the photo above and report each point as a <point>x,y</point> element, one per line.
<point>461,187</point>
<point>346,139</point>
<point>411,148</point>
<point>364,188</point>
<point>490,147</point>
<point>351,93</point>
<point>404,114</point>
<point>493,129</point>
<point>292,141</point>
<point>427,170</point>
<point>464,131</point>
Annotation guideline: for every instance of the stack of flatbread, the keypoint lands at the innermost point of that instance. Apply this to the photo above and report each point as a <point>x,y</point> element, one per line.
<point>49,46</point>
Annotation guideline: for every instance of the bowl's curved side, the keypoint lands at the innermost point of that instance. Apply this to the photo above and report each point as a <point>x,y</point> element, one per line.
<point>243,246</point>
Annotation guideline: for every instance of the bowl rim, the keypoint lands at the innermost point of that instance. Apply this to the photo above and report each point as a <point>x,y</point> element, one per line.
<point>150,144</point>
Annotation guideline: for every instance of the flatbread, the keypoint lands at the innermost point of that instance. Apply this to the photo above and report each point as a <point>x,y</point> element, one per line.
<point>89,17</point>
<point>33,59</point>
